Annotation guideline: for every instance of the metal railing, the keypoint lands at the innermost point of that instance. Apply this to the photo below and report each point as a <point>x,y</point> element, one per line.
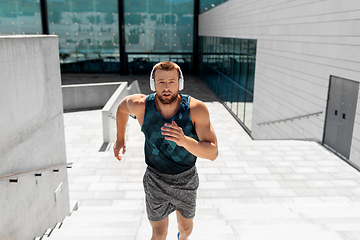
<point>38,172</point>
<point>291,119</point>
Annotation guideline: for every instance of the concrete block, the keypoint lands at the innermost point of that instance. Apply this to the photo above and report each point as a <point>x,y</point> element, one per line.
<point>32,136</point>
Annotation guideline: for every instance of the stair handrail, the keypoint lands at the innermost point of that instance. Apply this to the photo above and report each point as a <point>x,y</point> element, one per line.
<point>290,119</point>
<point>33,171</point>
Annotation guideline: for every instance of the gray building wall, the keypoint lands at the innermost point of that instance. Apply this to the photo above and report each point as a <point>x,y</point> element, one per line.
<point>299,45</point>
<point>32,137</point>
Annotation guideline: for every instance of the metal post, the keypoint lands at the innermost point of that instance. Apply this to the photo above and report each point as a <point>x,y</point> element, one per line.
<point>195,59</point>
<point>123,55</point>
<point>44,17</point>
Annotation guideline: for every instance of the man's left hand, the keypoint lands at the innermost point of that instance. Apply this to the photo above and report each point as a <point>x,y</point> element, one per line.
<point>174,133</point>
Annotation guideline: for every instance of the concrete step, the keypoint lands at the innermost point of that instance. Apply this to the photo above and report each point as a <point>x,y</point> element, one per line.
<point>91,238</point>
<point>105,219</point>
<point>95,232</point>
<point>260,235</point>
<point>119,213</point>
<point>80,223</point>
<point>127,207</point>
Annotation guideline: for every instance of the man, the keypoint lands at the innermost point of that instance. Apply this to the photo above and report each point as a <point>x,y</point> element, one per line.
<point>177,130</point>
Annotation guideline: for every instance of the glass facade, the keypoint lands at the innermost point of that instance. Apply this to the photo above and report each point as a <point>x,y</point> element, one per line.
<point>228,68</point>
<point>89,35</point>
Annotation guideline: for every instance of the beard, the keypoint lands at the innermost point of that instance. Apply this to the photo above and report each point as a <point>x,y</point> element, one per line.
<point>167,101</point>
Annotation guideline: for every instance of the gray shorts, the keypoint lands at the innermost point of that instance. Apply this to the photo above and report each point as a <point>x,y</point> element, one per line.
<point>166,193</point>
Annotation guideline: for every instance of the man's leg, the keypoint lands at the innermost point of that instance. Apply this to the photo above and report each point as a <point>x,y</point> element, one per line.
<point>185,226</point>
<point>160,229</point>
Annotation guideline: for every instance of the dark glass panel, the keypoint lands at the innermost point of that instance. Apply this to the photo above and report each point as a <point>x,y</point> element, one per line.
<point>243,69</point>
<point>251,73</point>
<point>236,61</point>
<point>20,17</point>
<point>248,110</point>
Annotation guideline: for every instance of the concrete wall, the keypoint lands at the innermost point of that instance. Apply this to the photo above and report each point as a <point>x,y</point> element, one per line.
<point>87,96</point>
<point>32,136</point>
<point>299,45</point>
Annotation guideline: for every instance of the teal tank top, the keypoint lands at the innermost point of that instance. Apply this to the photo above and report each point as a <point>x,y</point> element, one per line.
<point>163,155</point>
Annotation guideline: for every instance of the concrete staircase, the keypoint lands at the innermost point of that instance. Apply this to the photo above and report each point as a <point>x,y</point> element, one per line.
<point>296,221</point>
<point>255,190</point>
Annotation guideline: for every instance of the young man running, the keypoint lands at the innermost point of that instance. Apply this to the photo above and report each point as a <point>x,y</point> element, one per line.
<point>177,130</point>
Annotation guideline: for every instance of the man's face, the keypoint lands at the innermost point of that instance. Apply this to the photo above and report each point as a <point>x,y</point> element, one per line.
<point>166,85</point>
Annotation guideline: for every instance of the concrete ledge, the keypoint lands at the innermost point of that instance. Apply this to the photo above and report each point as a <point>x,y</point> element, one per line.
<point>87,96</point>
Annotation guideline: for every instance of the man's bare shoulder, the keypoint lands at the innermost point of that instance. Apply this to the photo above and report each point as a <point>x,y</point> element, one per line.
<point>197,104</point>
<point>137,99</point>
<point>136,103</point>
<point>198,108</point>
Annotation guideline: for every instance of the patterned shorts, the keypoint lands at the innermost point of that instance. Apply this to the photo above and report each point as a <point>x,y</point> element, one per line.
<point>166,193</point>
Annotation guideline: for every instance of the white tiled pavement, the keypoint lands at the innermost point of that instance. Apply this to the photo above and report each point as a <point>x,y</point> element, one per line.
<point>255,190</point>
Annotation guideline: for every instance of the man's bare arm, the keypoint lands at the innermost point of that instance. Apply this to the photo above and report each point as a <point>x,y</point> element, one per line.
<point>132,104</point>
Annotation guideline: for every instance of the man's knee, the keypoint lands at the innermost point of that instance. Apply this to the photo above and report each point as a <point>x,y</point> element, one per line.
<point>186,226</point>
<point>159,234</point>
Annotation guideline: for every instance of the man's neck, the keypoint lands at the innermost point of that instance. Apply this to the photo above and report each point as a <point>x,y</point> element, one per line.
<point>167,111</point>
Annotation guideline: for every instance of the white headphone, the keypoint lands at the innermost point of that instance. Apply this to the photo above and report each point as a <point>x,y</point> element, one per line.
<point>152,81</point>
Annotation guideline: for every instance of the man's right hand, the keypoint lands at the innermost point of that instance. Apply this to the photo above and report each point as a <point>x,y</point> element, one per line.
<point>118,145</point>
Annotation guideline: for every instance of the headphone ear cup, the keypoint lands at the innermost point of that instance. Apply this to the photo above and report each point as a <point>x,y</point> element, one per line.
<point>181,83</point>
<point>152,81</point>
<point>152,84</point>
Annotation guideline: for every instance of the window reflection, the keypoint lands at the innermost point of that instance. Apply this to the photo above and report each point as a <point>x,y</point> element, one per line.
<point>20,17</point>
<point>143,63</point>
<point>88,34</point>
<point>159,26</point>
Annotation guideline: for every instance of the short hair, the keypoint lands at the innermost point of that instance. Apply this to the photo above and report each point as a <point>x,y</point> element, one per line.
<point>167,66</point>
